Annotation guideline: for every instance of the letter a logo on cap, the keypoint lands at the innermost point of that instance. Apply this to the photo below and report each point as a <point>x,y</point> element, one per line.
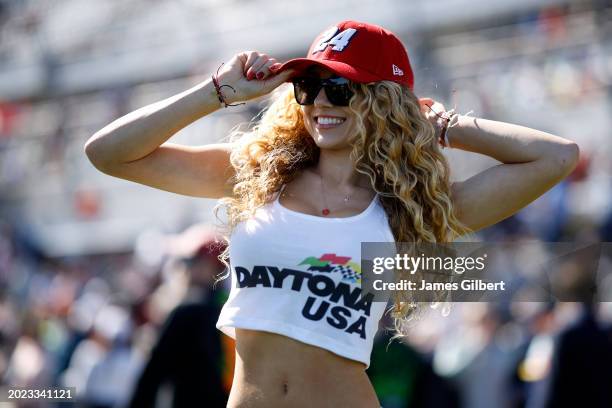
<point>396,70</point>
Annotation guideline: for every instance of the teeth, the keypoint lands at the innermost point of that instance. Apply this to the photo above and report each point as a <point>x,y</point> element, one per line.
<point>329,121</point>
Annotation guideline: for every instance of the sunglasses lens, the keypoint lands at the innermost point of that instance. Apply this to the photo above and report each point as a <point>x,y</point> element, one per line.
<point>306,90</point>
<point>336,89</point>
<point>339,95</point>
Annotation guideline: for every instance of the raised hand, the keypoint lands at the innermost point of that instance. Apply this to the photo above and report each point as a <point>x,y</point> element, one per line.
<point>431,109</point>
<point>251,74</point>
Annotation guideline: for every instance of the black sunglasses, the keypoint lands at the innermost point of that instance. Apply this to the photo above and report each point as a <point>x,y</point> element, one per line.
<point>336,88</point>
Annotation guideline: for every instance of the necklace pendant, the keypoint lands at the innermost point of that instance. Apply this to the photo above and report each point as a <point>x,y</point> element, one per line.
<point>346,198</point>
<point>325,211</point>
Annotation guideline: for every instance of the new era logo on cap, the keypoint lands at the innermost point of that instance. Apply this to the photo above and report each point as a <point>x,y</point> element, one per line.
<point>397,71</point>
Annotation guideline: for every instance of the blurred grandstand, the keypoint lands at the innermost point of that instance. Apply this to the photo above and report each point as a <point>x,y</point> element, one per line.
<point>84,260</point>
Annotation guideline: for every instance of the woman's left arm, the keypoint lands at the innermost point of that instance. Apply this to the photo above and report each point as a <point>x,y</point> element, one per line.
<point>532,163</point>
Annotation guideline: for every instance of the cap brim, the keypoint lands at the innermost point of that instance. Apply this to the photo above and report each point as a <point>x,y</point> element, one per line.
<point>300,65</point>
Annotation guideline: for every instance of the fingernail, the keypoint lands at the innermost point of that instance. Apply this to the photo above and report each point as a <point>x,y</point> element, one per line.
<point>260,75</point>
<point>250,75</point>
<point>274,67</point>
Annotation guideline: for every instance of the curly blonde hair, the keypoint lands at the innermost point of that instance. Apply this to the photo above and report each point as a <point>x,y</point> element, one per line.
<point>394,145</point>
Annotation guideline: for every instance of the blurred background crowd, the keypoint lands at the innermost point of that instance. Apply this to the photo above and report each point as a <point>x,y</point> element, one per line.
<point>106,285</point>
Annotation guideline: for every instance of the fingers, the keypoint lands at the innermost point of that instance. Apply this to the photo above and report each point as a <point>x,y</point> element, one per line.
<point>424,102</point>
<point>264,71</point>
<point>257,65</point>
<point>276,80</point>
<point>430,107</point>
<point>251,58</point>
<point>437,108</point>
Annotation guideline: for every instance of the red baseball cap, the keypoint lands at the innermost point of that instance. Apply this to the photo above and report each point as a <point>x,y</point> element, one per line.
<point>358,51</point>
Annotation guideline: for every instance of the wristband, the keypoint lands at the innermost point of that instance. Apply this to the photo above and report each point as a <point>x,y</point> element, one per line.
<point>447,117</point>
<point>450,119</point>
<point>218,87</point>
<point>443,135</point>
<point>454,120</point>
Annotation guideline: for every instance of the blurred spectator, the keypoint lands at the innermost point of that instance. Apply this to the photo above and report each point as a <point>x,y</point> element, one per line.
<point>404,378</point>
<point>189,354</point>
<point>530,374</point>
<point>104,367</point>
<point>582,367</point>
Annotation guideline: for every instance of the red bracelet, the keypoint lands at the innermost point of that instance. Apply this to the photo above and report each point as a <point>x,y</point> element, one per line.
<point>218,89</point>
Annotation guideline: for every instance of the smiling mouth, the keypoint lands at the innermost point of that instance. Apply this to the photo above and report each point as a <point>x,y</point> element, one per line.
<point>328,121</point>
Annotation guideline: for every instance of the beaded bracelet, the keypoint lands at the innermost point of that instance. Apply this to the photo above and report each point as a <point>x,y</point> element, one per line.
<point>218,87</point>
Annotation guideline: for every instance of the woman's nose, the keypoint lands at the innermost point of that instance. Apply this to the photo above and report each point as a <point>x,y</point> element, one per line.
<point>321,99</point>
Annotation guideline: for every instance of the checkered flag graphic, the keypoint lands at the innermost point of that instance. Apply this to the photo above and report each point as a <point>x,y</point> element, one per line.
<point>348,273</point>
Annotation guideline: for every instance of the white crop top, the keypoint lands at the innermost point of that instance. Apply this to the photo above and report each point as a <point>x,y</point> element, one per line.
<point>299,275</point>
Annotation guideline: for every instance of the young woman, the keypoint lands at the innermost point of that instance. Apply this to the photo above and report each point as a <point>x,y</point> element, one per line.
<point>348,155</point>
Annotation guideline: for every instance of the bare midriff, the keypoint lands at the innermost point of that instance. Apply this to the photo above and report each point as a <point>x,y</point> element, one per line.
<point>277,371</point>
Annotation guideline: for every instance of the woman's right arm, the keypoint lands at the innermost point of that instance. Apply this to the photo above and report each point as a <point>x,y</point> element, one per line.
<point>134,146</point>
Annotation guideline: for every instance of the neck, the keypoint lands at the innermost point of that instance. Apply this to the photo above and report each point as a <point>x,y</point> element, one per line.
<point>336,168</point>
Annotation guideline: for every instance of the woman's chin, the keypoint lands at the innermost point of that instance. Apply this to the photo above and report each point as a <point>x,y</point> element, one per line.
<point>331,142</point>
